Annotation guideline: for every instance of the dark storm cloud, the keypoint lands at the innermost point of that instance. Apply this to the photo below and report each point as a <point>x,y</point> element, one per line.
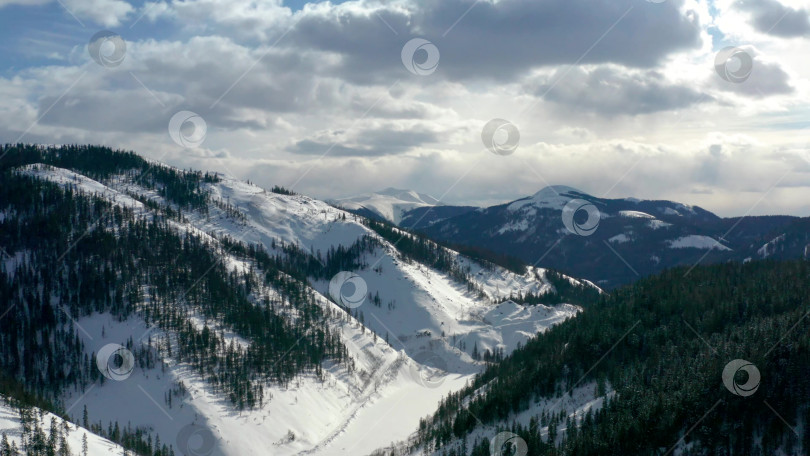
<point>502,40</point>
<point>774,18</point>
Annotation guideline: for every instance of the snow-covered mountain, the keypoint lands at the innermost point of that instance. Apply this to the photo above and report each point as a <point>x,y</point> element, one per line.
<point>615,241</point>
<point>389,204</point>
<point>419,332</point>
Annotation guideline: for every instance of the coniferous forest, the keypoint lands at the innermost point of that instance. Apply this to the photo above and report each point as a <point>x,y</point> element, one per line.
<point>661,345</point>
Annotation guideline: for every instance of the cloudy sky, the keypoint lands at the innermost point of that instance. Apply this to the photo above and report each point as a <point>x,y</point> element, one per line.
<point>615,97</point>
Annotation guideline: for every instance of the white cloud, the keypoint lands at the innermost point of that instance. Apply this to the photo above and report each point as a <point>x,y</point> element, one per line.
<point>107,13</point>
<point>644,108</point>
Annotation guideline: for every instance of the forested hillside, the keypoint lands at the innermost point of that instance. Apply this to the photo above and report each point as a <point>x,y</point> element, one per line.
<point>661,346</point>
<point>68,255</point>
<point>220,294</point>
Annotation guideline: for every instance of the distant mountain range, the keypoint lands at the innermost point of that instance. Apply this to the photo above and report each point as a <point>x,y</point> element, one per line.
<point>624,239</point>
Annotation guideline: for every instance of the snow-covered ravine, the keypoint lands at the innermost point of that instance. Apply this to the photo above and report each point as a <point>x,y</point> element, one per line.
<point>418,352</point>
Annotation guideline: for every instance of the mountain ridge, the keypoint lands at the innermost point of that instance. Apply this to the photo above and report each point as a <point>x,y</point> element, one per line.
<point>627,238</point>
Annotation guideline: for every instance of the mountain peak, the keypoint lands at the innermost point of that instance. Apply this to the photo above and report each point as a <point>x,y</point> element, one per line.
<point>553,196</point>
<point>553,191</point>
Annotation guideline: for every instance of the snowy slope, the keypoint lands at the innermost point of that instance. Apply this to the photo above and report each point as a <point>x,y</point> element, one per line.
<point>11,426</point>
<point>390,204</point>
<point>424,332</point>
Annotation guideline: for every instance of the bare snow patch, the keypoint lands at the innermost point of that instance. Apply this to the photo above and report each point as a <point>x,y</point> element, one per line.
<point>620,239</point>
<point>695,241</point>
<point>656,224</point>
<point>635,214</point>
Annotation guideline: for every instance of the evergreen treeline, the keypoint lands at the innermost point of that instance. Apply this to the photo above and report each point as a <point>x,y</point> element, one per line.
<point>300,264</point>
<point>100,163</point>
<point>564,292</point>
<point>640,340</point>
<point>486,256</point>
<point>425,251</point>
<point>35,440</point>
<point>15,396</point>
<point>282,191</point>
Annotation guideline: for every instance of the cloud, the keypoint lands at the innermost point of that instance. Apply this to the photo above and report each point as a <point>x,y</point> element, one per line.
<point>107,13</point>
<point>246,19</point>
<point>774,18</point>
<point>611,91</point>
<point>767,79</point>
<point>477,39</point>
<point>498,40</point>
<point>367,141</point>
